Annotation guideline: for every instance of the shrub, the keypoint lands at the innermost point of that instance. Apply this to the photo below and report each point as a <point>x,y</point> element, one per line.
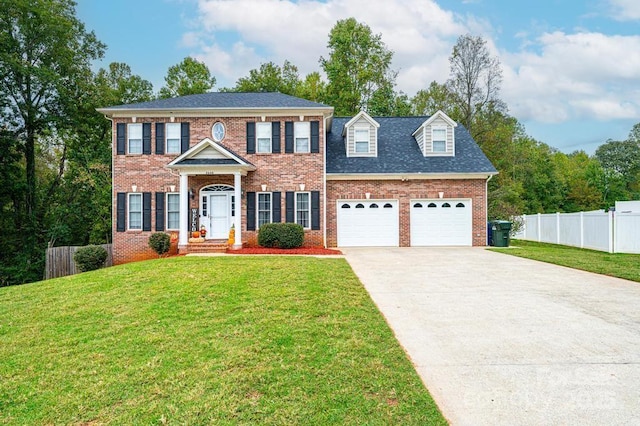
<point>90,258</point>
<point>160,242</point>
<point>281,235</point>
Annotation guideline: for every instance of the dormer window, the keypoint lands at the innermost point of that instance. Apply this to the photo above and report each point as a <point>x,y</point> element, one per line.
<point>439,139</point>
<point>436,137</point>
<point>361,137</point>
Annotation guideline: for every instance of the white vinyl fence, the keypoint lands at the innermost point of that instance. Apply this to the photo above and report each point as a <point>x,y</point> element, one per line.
<point>613,232</point>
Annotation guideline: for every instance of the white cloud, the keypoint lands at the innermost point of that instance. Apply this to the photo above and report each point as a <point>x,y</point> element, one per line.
<point>625,10</point>
<point>574,76</point>
<point>419,32</point>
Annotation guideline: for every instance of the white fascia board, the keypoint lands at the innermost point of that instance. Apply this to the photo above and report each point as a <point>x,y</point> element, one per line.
<point>213,112</point>
<point>407,176</point>
<point>219,169</point>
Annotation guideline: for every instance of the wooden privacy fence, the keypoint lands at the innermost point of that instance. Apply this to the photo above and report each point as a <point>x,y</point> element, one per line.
<point>60,262</point>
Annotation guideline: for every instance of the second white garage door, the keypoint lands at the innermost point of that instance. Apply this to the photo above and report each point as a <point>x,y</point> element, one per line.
<point>442,222</point>
<point>372,223</point>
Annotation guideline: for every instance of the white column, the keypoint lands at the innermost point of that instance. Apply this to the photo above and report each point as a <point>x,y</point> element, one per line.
<point>237,219</point>
<point>183,239</point>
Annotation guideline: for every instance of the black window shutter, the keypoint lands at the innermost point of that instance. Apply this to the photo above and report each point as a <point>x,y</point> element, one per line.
<point>184,137</point>
<point>146,211</point>
<point>159,211</point>
<point>275,207</point>
<point>288,137</point>
<point>315,136</point>
<point>121,208</point>
<point>290,207</point>
<point>275,137</point>
<point>146,138</point>
<point>251,211</point>
<point>315,210</point>
<point>160,138</point>
<point>121,136</point>
<point>251,137</point>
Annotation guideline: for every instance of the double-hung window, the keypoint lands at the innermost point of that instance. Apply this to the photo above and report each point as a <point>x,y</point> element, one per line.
<point>173,210</point>
<point>439,139</point>
<point>264,208</point>
<point>135,211</point>
<point>301,131</point>
<point>361,137</point>
<point>303,209</point>
<point>263,135</point>
<point>173,138</point>
<point>134,132</point>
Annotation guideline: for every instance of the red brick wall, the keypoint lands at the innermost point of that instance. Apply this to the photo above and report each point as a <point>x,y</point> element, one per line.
<point>280,172</point>
<point>406,191</point>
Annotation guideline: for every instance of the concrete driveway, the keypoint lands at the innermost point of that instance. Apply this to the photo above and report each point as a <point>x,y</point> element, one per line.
<point>500,340</point>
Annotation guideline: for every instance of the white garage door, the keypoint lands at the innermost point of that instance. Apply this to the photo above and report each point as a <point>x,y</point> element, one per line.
<point>442,222</point>
<point>371,223</point>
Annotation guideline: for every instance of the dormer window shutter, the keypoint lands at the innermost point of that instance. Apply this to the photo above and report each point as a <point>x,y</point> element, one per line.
<point>146,138</point>
<point>251,139</point>
<point>315,136</point>
<point>288,137</point>
<point>160,138</point>
<point>184,137</point>
<point>275,137</point>
<point>121,137</point>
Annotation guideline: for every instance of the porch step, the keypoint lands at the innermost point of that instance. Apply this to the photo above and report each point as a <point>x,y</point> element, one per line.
<point>209,246</point>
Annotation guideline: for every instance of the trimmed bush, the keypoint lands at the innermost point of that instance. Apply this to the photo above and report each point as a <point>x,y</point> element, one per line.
<point>160,242</point>
<point>281,235</point>
<point>90,258</point>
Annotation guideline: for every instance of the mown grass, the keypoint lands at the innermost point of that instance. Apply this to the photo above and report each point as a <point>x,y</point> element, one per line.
<point>619,265</point>
<point>225,340</point>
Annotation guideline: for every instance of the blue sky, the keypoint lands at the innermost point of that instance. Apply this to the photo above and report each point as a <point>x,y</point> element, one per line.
<point>571,68</point>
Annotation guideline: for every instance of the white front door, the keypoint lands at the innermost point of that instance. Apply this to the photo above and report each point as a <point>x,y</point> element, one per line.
<point>215,215</point>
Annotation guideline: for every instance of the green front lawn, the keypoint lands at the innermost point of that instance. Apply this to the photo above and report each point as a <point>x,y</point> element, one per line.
<point>193,340</point>
<point>619,265</point>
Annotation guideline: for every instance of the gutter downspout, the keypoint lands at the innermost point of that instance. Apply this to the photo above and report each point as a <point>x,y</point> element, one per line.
<point>486,208</point>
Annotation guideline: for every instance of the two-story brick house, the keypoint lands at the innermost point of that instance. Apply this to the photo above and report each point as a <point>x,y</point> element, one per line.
<point>219,160</point>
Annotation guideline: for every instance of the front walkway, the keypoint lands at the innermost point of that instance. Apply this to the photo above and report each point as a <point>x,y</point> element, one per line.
<point>501,340</point>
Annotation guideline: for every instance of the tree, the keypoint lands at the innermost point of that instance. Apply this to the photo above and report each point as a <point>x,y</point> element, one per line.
<point>474,79</point>
<point>312,88</point>
<point>436,98</point>
<point>358,65</point>
<point>45,56</point>
<point>189,77</point>
<point>620,161</point>
<point>117,85</point>
<point>270,77</point>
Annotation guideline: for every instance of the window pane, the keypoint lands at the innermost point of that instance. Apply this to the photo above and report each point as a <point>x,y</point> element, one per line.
<point>263,130</point>
<point>135,202</point>
<point>439,146</point>
<point>302,209</point>
<point>135,211</point>
<point>264,209</point>
<point>173,220</point>
<point>439,134</point>
<point>302,145</point>
<point>264,145</point>
<point>173,138</point>
<point>173,146</point>
<point>362,146</point>
<point>173,211</point>
<point>362,135</point>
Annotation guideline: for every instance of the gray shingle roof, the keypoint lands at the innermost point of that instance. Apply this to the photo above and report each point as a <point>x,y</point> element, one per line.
<point>398,151</point>
<point>225,100</point>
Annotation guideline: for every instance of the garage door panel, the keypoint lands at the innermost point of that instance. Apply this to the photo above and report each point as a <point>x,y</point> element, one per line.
<point>367,223</point>
<point>442,222</point>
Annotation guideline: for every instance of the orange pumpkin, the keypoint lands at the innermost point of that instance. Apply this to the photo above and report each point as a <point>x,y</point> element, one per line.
<point>195,234</point>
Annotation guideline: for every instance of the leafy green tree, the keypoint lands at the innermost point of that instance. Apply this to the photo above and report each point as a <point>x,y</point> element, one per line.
<point>358,65</point>
<point>620,161</point>
<point>117,85</point>
<point>45,56</point>
<point>189,77</point>
<point>312,88</point>
<point>270,77</point>
<point>474,79</point>
<point>436,98</point>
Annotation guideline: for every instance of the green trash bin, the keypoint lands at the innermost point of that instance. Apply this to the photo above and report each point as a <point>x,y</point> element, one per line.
<point>500,233</point>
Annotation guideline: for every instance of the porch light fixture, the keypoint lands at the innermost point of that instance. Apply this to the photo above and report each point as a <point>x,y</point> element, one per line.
<point>134,188</point>
<point>192,194</point>
<point>302,187</point>
<point>367,195</point>
<point>440,194</point>
<point>264,187</point>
